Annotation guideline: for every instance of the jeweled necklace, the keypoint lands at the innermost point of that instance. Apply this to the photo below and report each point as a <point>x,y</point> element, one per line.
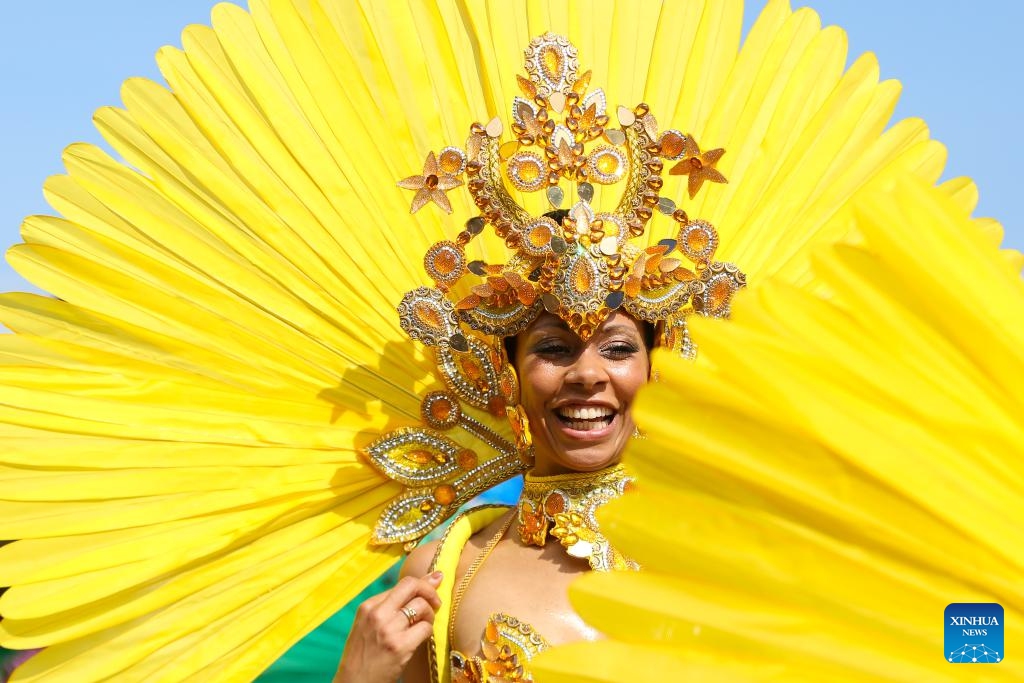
<point>564,506</point>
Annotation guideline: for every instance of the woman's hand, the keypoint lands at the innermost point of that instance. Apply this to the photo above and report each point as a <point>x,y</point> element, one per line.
<point>388,629</point>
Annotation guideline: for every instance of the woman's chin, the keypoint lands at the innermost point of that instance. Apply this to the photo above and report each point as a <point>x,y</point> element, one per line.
<point>582,450</point>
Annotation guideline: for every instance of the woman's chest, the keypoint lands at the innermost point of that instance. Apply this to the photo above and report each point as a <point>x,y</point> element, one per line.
<point>528,589</point>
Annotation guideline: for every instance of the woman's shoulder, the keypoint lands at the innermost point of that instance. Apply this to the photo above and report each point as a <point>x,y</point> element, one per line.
<point>461,531</point>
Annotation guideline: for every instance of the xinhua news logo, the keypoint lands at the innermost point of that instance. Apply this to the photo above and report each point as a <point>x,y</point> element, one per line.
<point>974,633</point>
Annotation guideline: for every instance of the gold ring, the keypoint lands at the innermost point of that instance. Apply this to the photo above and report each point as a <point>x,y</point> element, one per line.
<point>410,614</point>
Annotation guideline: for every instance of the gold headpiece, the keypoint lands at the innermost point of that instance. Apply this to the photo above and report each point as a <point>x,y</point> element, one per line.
<point>579,264</point>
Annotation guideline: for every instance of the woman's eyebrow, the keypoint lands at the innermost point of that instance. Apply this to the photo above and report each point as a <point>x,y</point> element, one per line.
<point>558,324</point>
<point>620,327</point>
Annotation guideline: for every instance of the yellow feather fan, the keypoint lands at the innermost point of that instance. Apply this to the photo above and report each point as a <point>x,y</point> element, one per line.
<point>182,424</point>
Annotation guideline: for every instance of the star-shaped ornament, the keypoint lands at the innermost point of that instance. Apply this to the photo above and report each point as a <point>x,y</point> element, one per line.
<point>699,166</point>
<point>430,186</point>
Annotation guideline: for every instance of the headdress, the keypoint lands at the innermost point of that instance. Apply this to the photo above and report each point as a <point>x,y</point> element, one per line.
<point>580,264</point>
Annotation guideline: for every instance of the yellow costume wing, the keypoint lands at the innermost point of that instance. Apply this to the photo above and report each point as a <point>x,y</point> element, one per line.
<point>839,470</point>
<point>182,424</point>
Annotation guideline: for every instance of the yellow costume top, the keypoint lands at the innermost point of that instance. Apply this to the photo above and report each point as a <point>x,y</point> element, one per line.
<point>562,508</point>
<point>507,644</point>
<point>222,370</point>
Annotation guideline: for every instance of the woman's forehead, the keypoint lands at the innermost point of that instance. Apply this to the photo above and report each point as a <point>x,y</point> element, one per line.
<point>617,323</point>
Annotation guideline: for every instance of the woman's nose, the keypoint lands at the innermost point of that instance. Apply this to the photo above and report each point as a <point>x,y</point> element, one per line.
<point>588,370</point>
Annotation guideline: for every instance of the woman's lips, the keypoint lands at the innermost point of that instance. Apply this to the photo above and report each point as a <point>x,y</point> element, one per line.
<point>598,423</point>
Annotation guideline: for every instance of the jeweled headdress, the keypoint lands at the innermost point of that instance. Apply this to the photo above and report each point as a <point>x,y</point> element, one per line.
<point>580,264</point>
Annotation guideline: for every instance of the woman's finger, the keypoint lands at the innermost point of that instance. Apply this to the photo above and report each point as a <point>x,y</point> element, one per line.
<point>410,587</point>
<point>415,635</point>
<point>415,611</point>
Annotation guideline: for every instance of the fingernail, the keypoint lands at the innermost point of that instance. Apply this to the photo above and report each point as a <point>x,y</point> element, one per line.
<point>436,577</point>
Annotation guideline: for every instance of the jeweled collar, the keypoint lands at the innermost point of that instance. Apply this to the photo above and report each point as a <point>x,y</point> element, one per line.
<point>564,506</point>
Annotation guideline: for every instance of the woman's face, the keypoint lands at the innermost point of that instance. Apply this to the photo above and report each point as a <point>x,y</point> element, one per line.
<point>578,395</point>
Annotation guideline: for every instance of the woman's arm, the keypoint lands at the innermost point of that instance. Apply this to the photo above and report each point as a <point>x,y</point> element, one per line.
<point>386,642</point>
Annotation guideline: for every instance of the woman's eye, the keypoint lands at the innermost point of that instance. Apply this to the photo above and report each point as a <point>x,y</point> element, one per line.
<point>620,350</point>
<point>553,349</point>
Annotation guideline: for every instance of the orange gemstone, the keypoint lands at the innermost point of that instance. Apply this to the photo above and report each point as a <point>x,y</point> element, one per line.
<point>445,494</point>
<point>719,294</point>
<point>551,63</point>
<point>582,279</point>
<point>428,315</point>
<point>528,87</point>
<point>607,163</point>
<point>540,236</point>
<point>418,457</point>
<point>491,631</point>
<point>580,86</point>
<point>528,170</point>
<point>696,241</point>
<point>441,410</point>
<point>508,149</point>
<point>506,385</point>
<point>466,459</point>
<point>450,161</point>
<point>470,368</point>
<point>496,405</point>
<point>554,504</point>
<point>445,261</point>
<point>671,145</point>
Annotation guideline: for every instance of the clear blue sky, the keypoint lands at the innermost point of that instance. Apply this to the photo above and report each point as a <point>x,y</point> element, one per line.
<point>960,64</point>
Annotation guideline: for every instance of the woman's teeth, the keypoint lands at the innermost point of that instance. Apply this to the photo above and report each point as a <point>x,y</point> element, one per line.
<point>585,419</point>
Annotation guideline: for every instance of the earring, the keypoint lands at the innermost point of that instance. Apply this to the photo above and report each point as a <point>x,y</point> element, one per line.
<point>521,428</point>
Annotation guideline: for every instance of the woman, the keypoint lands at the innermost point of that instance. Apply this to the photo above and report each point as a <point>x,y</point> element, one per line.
<point>572,309</point>
<point>577,396</point>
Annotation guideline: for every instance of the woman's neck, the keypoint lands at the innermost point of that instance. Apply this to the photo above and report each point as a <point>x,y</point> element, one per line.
<point>564,506</point>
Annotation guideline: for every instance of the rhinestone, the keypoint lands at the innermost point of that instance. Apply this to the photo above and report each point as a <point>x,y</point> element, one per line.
<point>614,299</point>
<point>550,303</point>
<point>451,160</point>
<point>475,225</point>
<point>508,149</point>
<point>585,191</point>
<point>607,165</point>
<point>672,144</point>
<point>445,494</point>
<point>626,116</point>
<point>615,136</point>
<point>459,343</point>
<point>477,268</point>
<point>666,206</point>
<point>555,195</point>
<point>494,127</point>
<point>557,102</point>
<point>669,244</point>
<point>466,459</point>
<point>527,171</point>
<point>558,245</point>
